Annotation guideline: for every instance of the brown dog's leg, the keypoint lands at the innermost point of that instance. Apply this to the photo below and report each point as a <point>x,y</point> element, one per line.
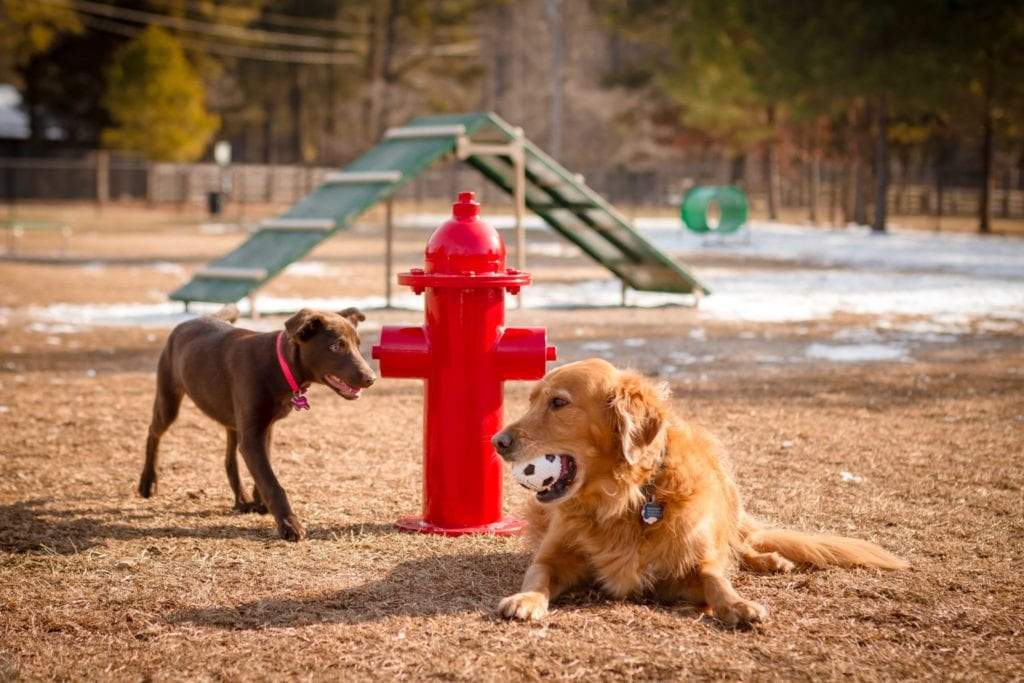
<point>255,452</point>
<point>165,411</point>
<point>243,503</point>
<point>553,570</point>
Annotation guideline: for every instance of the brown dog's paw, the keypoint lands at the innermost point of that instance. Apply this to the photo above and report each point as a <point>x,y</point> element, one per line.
<point>741,612</point>
<point>147,487</point>
<point>258,500</point>
<point>291,529</point>
<point>248,506</point>
<point>530,606</point>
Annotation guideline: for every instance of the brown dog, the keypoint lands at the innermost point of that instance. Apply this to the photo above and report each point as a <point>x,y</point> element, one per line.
<point>624,456</point>
<point>236,378</point>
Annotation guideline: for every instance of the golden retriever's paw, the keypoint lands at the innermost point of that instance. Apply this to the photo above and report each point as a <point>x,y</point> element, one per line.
<point>782,565</point>
<point>530,606</point>
<point>742,612</point>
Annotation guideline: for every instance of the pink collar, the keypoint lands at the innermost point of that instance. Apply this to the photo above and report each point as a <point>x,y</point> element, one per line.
<point>299,399</point>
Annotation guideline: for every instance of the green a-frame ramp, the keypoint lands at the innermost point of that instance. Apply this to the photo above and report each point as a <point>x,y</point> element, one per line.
<point>559,197</point>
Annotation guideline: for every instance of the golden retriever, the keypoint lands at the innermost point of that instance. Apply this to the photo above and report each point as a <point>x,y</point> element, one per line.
<point>623,451</point>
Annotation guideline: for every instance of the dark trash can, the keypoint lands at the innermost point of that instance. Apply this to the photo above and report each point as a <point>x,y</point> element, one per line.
<point>215,203</point>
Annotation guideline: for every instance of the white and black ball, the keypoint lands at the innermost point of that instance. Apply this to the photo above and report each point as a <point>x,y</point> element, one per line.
<point>540,473</point>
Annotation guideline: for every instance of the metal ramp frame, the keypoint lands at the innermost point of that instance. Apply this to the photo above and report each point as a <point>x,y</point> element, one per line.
<point>487,143</point>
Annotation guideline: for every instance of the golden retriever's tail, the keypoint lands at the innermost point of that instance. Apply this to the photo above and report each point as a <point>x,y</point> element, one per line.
<point>228,313</point>
<point>820,550</point>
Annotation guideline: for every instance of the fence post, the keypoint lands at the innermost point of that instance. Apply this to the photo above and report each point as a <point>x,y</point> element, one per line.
<point>150,184</point>
<point>102,178</point>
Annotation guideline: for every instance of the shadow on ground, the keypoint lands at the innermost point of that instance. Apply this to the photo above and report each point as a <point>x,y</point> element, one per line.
<point>424,587</point>
<point>30,527</point>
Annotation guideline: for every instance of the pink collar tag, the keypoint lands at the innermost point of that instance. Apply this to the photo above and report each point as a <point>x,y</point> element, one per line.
<point>299,400</point>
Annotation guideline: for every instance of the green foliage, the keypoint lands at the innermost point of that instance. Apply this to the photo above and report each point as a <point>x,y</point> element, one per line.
<point>29,28</point>
<point>156,100</point>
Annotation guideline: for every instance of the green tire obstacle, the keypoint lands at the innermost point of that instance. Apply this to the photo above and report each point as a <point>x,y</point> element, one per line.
<point>731,203</point>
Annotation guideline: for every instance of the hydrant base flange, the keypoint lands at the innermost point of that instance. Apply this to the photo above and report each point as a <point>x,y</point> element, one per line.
<point>507,526</point>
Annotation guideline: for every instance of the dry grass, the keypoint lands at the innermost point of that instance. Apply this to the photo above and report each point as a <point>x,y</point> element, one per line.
<point>98,584</point>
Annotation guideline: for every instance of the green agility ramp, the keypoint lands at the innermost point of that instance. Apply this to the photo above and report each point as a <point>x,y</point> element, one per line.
<point>482,140</point>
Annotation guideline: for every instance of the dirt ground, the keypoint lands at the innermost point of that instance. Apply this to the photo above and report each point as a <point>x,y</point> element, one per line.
<point>922,456</point>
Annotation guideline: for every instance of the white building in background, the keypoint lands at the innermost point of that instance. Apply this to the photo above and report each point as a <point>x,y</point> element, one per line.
<point>13,119</point>
<point>14,123</point>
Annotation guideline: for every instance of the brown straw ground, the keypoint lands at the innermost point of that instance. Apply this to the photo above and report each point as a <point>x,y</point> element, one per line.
<point>98,584</point>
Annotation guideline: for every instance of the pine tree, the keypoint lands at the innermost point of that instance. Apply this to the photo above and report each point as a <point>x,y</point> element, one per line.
<point>156,100</point>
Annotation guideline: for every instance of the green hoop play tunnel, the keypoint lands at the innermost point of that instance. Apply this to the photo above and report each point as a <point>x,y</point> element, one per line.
<point>730,202</point>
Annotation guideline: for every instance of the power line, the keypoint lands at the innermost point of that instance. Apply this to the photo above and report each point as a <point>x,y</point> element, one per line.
<point>243,14</point>
<point>239,51</point>
<point>213,29</point>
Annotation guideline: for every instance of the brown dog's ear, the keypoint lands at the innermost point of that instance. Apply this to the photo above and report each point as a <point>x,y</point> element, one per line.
<point>638,414</point>
<point>353,315</point>
<point>303,325</point>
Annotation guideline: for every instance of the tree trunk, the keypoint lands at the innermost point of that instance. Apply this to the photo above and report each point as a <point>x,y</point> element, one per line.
<point>387,75</point>
<point>833,195</point>
<point>860,208</point>
<point>373,72</point>
<point>554,10</point>
<point>295,104</point>
<point>987,143</point>
<point>737,169</point>
<point>815,177</point>
<point>268,132</point>
<point>769,167</point>
<point>881,165</point>
<point>858,175</point>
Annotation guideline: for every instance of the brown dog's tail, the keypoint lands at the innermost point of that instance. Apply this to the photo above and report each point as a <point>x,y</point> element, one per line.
<point>820,550</point>
<point>228,313</point>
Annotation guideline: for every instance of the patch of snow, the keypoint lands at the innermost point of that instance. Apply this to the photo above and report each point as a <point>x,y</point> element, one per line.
<point>803,295</point>
<point>698,334</point>
<point>217,228</point>
<point>596,346</point>
<point>635,342</point>
<point>999,325</point>
<point>857,334</point>
<point>168,268</point>
<point>552,249</point>
<point>309,269</point>
<point>991,257</point>
<point>856,353</point>
<point>54,328</point>
<point>850,477</point>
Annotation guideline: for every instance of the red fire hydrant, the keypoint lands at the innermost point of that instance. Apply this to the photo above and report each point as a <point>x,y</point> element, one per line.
<point>464,352</point>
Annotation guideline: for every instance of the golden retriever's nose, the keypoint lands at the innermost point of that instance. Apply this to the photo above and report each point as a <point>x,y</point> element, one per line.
<point>503,443</point>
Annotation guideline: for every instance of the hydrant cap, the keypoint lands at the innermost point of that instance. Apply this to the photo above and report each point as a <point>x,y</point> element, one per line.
<point>465,244</point>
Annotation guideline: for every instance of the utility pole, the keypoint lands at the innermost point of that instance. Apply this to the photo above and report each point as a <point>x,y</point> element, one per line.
<point>554,8</point>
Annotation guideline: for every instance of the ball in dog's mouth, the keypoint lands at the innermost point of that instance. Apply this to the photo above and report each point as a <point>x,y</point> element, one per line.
<point>342,388</point>
<point>550,475</point>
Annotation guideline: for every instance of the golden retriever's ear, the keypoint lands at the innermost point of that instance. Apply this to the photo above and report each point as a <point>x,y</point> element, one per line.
<point>638,414</point>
